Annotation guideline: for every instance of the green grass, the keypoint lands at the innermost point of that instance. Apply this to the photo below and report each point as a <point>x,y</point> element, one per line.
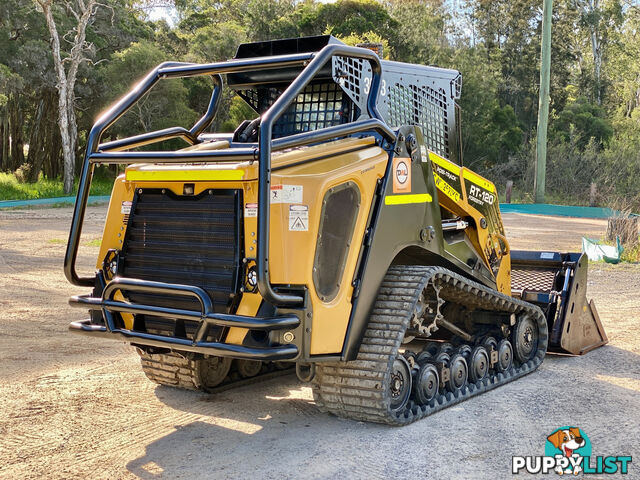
<point>56,241</point>
<point>629,254</point>
<point>11,189</point>
<point>96,242</point>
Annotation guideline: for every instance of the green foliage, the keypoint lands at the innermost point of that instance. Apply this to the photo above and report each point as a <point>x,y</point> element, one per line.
<point>347,17</point>
<point>585,121</point>
<point>164,106</point>
<point>367,37</point>
<point>595,128</point>
<point>11,189</point>
<point>239,111</point>
<point>490,132</point>
<point>619,171</point>
<point>217,42</point>
<point>419,34</point>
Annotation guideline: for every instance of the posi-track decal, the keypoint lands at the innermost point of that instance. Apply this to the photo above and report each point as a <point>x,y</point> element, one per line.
<point>446,176</point>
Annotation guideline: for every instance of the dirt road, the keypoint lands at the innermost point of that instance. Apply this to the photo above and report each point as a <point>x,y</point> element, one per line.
<point>74,407</point>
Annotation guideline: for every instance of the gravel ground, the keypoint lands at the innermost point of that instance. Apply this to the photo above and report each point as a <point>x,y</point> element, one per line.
<point>75,407</point>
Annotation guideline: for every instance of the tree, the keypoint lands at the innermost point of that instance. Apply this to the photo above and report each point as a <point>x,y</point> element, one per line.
<point>583,121</point>
<point>66,76</point>
<point>166,105</point>
<point>599,18</point>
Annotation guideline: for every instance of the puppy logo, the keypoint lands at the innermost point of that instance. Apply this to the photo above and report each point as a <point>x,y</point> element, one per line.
<point>568,451</point>
<point>570,443</point>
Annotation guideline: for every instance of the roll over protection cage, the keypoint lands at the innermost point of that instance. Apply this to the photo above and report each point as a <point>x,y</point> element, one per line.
<point>112,152</point>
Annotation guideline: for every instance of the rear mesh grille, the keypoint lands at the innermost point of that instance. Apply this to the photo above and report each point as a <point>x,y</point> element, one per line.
<point>191,240</point>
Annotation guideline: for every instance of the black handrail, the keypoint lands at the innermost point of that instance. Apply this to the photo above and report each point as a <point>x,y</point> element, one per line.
<point>265,137</point>
<point>108,153</point>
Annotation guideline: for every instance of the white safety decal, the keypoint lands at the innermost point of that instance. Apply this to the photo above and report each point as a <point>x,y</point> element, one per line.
<point>546,255</point>
<point>286,194</point>
<point>251,210</point>
<point>298,218</point>
<point>125,209</point>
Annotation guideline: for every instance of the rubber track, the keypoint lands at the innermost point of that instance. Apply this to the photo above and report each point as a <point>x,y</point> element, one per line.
<point>356,389</point>
<point>174,370</point>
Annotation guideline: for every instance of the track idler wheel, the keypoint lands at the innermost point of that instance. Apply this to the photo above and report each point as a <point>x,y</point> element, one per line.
<point>213,370</point>
<point>400,383</point>
<point>505,356</point>
<point>458,372</point>
<point>525,339</point>
<point>478,363</point>
<point>426,384</point>
<point>248,368</point>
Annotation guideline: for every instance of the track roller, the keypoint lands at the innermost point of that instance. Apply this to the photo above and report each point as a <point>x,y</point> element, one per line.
<point>426,383</point>
<point>505,356</point>
<point>478,363</point>
<point>525,339</point>
<point>248,368</point>
<point>400,383</point>
<point>458,371</point>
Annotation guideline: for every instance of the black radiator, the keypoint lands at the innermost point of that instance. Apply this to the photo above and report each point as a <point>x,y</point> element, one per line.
<point>191,240</point>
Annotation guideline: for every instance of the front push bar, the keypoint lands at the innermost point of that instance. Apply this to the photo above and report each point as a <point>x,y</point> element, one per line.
<point>206,318</point>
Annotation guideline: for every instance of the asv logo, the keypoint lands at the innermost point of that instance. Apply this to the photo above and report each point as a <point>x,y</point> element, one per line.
<point>481,194</point>
<point>402,173</point>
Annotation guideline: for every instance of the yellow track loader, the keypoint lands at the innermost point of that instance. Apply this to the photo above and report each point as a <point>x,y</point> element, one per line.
<point>337,233</point>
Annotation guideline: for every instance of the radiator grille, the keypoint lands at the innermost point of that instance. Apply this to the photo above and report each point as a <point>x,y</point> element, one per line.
<point>191,240</point>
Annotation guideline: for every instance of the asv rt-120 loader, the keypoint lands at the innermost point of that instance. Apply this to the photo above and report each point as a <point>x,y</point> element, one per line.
<point>336,232</point>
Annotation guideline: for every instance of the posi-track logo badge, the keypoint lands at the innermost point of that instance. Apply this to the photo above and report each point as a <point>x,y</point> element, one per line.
<point>568,451</point>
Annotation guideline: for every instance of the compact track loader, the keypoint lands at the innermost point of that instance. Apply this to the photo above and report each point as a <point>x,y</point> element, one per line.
<point>337,233</point>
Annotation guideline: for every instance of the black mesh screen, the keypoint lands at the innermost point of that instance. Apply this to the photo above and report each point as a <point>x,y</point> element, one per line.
<point>320,105</point>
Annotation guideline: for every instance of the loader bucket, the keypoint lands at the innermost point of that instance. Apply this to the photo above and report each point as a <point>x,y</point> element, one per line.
<point>557,283</point>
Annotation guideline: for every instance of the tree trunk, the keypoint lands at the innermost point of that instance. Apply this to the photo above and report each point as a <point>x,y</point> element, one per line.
<point>597,63</point>
<point>36,153</point>
<point>68,152</point>
<point>16,126</point>
<point>4,139</point>
<point>66,80</point>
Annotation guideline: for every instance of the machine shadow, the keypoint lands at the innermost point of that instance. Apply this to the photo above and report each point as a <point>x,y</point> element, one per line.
<point>274,425</point>
<point>277,431</point>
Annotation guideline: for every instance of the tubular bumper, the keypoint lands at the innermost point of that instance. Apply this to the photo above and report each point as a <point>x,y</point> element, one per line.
<point>205,316</point>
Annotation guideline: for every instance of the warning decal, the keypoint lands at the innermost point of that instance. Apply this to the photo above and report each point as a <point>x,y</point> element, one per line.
<point>251,210</point>
<point>125,209</point>
<point>286,194</point>
<point>298,218</point>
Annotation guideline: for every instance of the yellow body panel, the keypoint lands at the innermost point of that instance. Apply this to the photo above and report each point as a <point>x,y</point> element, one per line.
<point>292,253</point>
<point>457,202</point>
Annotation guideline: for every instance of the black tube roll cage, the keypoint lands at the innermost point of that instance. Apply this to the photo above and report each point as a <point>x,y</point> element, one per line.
<point>113,152</point>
